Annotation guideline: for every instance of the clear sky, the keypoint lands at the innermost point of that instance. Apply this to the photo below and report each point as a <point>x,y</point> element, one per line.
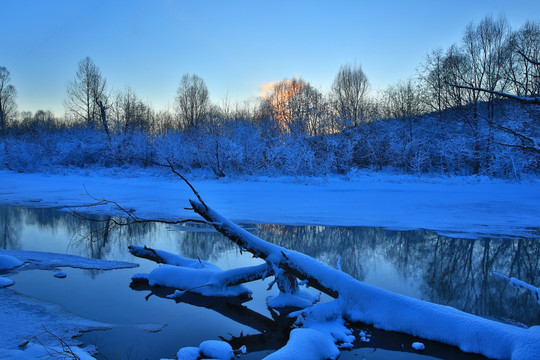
<point>235,46</point>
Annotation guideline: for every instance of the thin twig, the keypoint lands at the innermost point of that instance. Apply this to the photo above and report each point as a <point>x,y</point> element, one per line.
<point>170,166</point>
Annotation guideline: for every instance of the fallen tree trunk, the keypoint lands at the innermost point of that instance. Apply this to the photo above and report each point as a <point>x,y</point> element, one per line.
<point>273,254</point>
<point>195,275</point>
<point>165,257</point>
<point>360,302</point>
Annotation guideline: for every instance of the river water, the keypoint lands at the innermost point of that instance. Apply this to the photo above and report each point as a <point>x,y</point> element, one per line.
<point>146,325</point>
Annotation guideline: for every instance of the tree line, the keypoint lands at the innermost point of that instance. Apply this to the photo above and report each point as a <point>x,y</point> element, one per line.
<point>472,108</point>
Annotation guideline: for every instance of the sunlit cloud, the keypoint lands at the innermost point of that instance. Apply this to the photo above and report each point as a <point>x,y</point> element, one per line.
<point>266,90</point>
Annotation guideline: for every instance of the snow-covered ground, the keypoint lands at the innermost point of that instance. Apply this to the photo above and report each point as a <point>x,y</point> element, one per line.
<point>462,206</point>
<point>27,325</point>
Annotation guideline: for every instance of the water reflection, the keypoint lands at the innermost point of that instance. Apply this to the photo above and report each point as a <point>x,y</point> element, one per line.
<point>455,272</point>
<point>449,271</point>
<point>10,225</point>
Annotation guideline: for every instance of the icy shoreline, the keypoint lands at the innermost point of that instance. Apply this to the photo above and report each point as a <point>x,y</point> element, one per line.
<point>457,206</point>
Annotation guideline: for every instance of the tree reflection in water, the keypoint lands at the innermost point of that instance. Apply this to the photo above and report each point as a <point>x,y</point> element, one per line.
<point>449,271</point>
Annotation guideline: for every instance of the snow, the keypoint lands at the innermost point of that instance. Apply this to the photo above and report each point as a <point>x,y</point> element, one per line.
<point>216,350</point>
<point>9,262</point>
<point>202,281</point>
<point>196,275</point>
<point>188,353</point>
<point>209,349</point>
<point>305,343</point>
<point>60,275</point>
<point>418,346</point>
<point>360,302</point>
<point>170,258</point>
<point>36,351</point>
<point>300,299</point>
<point>464,206</point>
<point>24,318</point>
<point>5,282</point>
<point>364,337</point>
<point>49,261</point>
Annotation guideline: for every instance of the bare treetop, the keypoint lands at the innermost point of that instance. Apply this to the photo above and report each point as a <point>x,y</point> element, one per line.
<point>192,100</point>
<point>8,107</point>
<point>86,92</point>
<point>349,90</point>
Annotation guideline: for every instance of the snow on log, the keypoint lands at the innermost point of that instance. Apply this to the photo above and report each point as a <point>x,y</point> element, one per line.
<point>383,309</point>
<point>196,275</point>
<point>164,257</point>
<point>521,284</point>
<point>9,262</point>
<point>273,254</point>
<point>200,281</point>
<point>5,282</point>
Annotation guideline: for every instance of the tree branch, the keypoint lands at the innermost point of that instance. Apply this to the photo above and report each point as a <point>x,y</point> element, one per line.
<point>534,62</point>
<point>170,166</point>
<point>521,99</point>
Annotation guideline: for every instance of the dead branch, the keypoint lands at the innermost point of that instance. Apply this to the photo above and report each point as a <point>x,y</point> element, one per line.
<point>170,166</point>
<point>65,351</point>
<point>521,99</point>
<point>130,214</point>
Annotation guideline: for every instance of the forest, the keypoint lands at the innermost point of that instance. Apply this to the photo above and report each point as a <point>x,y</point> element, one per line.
<point>471,109</point>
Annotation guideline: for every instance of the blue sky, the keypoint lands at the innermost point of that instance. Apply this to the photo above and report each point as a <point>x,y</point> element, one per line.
<point>235,46</point>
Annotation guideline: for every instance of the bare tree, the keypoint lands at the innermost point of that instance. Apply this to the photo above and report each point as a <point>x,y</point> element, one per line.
<point>276,105</point>
<point>523,72</point>
<point>87,98</point>
<point>403,100</point>
<point>349,92</point>
<point>8,107</point>
<point>192,100</point>
<point>433,82</point>
<point>308,108</point>
<point>130,112</point>
<point>517,72</point>
<point>487,48</point>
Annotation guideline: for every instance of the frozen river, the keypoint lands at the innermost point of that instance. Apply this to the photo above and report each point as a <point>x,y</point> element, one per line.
<point>145,324</point>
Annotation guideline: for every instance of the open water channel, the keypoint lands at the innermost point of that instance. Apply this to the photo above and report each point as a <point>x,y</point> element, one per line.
<point>146,325</point>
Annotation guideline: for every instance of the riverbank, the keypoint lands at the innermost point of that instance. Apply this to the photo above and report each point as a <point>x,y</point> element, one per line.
<point>457,206</point>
